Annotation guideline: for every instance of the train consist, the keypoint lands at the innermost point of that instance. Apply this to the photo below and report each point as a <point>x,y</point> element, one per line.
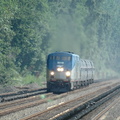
<point>67,71</point>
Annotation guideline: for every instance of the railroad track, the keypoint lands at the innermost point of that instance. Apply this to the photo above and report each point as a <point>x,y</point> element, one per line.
<point>35,96</point>
<point>20,94</point>
<point>25,92</point>
<point>68,110</point>
<point>17,105</point>
<point>7,97</point>
<point>104,111</point>
<point>24,101</point>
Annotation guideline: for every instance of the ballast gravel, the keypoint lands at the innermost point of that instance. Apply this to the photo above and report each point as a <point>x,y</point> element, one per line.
<point>23,113</point>
<point>113,113</point>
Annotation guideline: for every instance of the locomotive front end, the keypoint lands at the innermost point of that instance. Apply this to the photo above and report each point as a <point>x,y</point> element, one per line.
<point>58,72</point>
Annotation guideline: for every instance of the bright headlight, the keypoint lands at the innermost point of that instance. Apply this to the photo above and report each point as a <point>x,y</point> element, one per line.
<point>60,69</point>
<point>67,73</point>
<point>52,73</point>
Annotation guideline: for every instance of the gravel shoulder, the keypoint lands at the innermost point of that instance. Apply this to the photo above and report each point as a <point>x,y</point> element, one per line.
<point>7,89</point>
<point>113,113</point>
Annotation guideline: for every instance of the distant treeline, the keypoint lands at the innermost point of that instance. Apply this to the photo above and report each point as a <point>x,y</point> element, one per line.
<point>30,29</point>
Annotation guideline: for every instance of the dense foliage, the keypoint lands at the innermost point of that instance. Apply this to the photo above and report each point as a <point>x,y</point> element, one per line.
<point>30,29</point>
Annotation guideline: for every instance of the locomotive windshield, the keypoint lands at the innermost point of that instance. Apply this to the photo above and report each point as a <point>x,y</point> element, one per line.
<point>64,58</point>
<point>55,61</point>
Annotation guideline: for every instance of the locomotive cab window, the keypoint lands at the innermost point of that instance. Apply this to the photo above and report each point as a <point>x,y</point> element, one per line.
<point>52,57</point>
<point>57,58</point>
<point>66,58</point>
<point>69,58</point>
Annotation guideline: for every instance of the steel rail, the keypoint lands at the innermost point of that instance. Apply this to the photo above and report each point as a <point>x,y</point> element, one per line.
<point>104,111</point>
<point>63,104</point>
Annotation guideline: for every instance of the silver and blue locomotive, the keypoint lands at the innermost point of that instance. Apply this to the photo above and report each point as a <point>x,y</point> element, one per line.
<point>67,71</point>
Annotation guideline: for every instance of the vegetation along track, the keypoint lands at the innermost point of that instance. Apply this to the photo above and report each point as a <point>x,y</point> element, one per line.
<point>66,110</point>
<point>20,94</point>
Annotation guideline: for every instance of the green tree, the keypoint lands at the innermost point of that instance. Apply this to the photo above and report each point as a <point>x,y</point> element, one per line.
<point>32,36</point>
<point>7,11</point>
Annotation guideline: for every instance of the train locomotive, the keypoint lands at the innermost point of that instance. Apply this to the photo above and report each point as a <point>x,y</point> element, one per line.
<point>66,71</point>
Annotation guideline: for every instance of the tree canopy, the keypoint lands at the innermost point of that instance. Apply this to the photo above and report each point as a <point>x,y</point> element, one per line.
<point>29,30</point>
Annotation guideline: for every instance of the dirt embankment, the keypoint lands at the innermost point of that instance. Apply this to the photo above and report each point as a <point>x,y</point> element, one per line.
<point>6,89</point>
